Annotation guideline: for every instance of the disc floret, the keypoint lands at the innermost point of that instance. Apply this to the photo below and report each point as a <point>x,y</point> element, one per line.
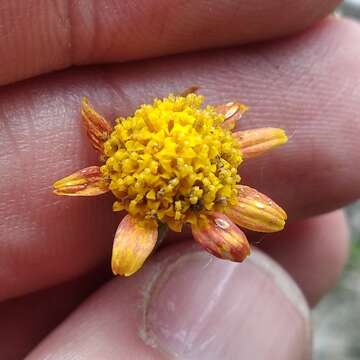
<point>172,161</point>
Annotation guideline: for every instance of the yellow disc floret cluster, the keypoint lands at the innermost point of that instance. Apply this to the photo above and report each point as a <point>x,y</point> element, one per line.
<point>172,161</point>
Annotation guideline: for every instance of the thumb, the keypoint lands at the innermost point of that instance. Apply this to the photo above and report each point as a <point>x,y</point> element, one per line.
<point>187,304</point>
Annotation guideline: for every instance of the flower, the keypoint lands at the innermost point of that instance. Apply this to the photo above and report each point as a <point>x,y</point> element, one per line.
<point>173,163</point>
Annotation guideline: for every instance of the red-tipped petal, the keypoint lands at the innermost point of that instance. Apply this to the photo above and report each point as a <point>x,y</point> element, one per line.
<point>191,90</point>
<point>85,182</point>
<point>255,142</point>
<point>97,127</point>
<point>222,238</point>
<point>133,243</point>
<point>255,211</point>
<point>233,112</point>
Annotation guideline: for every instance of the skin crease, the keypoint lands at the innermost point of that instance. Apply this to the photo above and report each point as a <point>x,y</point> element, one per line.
<point>290,76</point>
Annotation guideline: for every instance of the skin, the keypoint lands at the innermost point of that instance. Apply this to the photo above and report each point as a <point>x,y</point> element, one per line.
<point>304,80</point>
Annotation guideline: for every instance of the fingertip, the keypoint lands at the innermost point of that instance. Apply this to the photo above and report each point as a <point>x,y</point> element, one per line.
<point>205,308</point>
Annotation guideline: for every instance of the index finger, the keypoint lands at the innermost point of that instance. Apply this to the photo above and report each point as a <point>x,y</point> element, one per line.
<point>42,36</point>
<point>45,239</point>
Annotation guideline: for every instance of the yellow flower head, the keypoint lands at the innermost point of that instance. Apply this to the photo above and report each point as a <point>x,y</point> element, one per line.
<point>172,161</point>
<point>176,162</point>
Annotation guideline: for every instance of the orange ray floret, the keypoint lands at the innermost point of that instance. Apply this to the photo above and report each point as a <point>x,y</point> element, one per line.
<point>97,127</point>
<point>85,182</point>
<point>256,142</point>
<point>232,113</point>
<point>221,237</point>
<point>133,243</point>
<point>255,211</point>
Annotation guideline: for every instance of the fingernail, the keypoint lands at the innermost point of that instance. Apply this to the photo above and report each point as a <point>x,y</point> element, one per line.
<point>201,307</point>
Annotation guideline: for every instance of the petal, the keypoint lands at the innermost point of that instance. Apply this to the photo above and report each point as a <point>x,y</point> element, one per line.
<point>255,211</point>
<point>232,112</point>
<point>85,182</point>
<point>191,90</point>
<point>222,238</point>
<point>257,141</point>
<point>133,243</point>
<point>97,127</point>
<point>163,231</point>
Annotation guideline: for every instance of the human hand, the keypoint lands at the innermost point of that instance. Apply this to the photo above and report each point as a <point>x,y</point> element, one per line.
<point>182,302</point>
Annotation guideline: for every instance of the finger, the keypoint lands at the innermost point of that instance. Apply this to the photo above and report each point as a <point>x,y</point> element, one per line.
<point>190,305</point>
<point>43,36</point>
<point>26,320</point>
<point>313,251</point>
<point>314,173</point>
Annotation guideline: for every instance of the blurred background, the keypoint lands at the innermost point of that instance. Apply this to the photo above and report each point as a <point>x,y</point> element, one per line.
<point>337,318</point>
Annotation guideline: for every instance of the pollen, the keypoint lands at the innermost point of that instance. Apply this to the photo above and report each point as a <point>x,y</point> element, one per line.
<point>172,161</point>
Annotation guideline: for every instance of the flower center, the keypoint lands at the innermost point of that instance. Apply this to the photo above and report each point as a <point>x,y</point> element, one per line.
<point>172,161</point>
